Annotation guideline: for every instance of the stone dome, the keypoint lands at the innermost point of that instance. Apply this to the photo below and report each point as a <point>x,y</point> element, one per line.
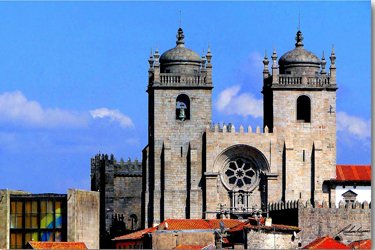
<point>180,59</point>
<point>299,60</point>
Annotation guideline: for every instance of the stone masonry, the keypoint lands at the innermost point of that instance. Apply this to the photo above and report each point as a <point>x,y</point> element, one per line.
<point>195,169</point>
<point>346,222</point>
<point>120,185</point>
<point>83,217</point>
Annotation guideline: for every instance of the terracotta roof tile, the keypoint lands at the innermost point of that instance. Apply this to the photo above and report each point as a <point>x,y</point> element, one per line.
<point>56,245</point>
<point>252,224</point>
<point>189,224</point>
<point>136,235</point>
<point>326,243</point>
<point>353,172</point>
<point>360,244</point>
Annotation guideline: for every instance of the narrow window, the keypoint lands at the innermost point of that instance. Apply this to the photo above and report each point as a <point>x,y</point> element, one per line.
<point>182,107</point>
<point>303,109</point>
<point>134,221</point>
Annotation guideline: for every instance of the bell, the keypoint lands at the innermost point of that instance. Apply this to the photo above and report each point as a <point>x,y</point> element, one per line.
<point>181,116</point>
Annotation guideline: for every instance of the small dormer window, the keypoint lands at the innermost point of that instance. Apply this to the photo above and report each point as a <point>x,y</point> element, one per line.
<point>303,109</point>
<point>349,196</point>
<point>182,107</point>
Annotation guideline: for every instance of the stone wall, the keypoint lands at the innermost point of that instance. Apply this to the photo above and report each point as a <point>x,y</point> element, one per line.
<point>270,240</point>
<point>127,200</point>
<point>120,186</point>
<point>5,216</point>
<point>176,154</point>
<point>83,217</point>
<point>349,222</point>
<point>225,142</point>
<point>165,239</point>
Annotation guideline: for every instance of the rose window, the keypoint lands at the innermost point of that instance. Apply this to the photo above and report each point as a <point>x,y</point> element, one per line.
<point>240,174</point>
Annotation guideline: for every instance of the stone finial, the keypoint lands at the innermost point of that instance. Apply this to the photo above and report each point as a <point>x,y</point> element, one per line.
<point>332,68</point>
<point>333,57</point>
<point>151,60</point>
<point>265,62</point>
<point>266,129</point>
<point>208,55</point>
<point>299,39</point>
<point>203,61</point>
<point>180,38</point>
<point>274,58</point>
<point>323,64</point>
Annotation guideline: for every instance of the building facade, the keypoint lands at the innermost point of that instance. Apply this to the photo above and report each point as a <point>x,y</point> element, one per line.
<point>25,217</point>
<point>195,169</point>
<point>119,184</point>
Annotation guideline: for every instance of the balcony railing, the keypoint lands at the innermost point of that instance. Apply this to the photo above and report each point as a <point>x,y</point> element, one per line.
<point>172,79</point>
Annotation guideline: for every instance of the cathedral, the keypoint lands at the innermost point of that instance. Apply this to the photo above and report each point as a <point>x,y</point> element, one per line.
<point>192,168</point>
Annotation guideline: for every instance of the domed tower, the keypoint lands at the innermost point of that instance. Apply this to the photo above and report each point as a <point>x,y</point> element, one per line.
<point>179,99</point>
<point>299,99</point>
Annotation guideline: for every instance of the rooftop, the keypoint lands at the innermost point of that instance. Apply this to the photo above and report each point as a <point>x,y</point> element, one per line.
<point>353,172</point>
<point>360,244</point>
<point>56,245</point>
<point>325,243</point>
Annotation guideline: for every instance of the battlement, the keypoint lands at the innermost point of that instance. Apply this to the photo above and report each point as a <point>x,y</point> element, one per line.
<point>298,204</point>
<point>230,129</point>
<point>119,168</point>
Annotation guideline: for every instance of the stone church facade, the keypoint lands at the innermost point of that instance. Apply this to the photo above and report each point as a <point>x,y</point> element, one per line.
<point>195,169</point>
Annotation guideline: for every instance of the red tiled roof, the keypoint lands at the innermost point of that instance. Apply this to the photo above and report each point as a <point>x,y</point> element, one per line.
<point>136,235</point>
<point>251,223</point>
<point>360,244</point>
<point>353,172</point>
<point>326,243</point>
<point>189,224</point>
<point>188,247</point>
<point>56,245</point>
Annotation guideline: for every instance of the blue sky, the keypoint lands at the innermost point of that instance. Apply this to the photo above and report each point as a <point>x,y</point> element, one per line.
<point>73,75</point>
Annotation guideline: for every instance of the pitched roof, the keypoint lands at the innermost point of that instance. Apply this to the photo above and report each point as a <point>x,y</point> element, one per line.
<point>189,224</point>
<point>326,243</point>
<point>353,172</point>
<point>360,244</point>
<point>136,235</point>
<point>56,245</point>
<point>349,193</point>
<point>251,223</point>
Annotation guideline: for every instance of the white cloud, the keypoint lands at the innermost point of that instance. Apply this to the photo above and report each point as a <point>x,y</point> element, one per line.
<point>353,125</point>
<point>16,108</point>
<point>245,104</point>
<point>112,115</point>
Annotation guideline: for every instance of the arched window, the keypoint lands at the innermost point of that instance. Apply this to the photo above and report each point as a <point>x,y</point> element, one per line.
<point>182,107</point>
<point>304,108</point>
<point>134,220</point>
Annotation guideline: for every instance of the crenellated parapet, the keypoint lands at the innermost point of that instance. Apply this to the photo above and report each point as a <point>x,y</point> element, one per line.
<point>299,204</point>
<point>109,164</point>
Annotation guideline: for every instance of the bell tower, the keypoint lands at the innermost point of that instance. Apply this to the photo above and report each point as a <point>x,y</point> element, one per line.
<point>299,99</point>
<point>179,109</point>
